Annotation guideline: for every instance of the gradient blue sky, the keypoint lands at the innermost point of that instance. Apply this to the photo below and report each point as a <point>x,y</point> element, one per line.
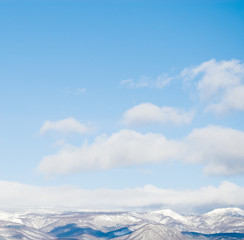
<point>93,61</point>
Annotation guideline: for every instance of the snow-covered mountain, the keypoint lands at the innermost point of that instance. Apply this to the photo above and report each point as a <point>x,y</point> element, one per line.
<point>226,223</point>
<point>155,232</point>
<point>11,230</point>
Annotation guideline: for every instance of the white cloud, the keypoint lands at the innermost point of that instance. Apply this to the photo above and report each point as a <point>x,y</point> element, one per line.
<point>149,113</point>
<point>220,84</point>
<point>29,196</point>
<point>219,149</point>
<point>124,148</point>
<point>162,81</point>
<point>65,126</point>
<point>233,99</point>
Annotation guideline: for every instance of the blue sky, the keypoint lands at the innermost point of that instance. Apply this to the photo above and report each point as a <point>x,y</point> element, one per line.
<point>120,95</point>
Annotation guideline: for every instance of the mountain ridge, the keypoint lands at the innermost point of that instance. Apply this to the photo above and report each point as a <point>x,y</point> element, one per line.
<point>121,225</point>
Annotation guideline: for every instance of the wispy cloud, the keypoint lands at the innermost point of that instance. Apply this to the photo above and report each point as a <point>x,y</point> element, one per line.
<point>131,83</point>
<point>76,91</point>
<point>16,195</point>
<point>66,125</point>
<point>219,84</point>
<point>149,113</point>
<point>219,149</point>
<point>147,82</point>
<point>80,90</point>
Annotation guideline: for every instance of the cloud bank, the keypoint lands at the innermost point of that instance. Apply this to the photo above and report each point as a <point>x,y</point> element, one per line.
<point>149,113</point>
<point>65,126</point>
<point>121,149</point>
<point>17,195</point>
<point>220,149</point>
<point>217,148</point>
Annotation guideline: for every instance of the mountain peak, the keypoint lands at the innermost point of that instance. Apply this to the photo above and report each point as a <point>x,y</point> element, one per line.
<point>155,232</point>
<point>170,213</point>
<point>225,211</point>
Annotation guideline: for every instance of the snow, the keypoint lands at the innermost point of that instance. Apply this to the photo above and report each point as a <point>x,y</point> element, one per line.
<point>225,211</point>
<point>162,224</point>
<point>155,232</point>
<point>172,214</point>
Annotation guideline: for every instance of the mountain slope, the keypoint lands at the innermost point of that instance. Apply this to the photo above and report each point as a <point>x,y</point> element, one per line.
<point>155,232</point>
